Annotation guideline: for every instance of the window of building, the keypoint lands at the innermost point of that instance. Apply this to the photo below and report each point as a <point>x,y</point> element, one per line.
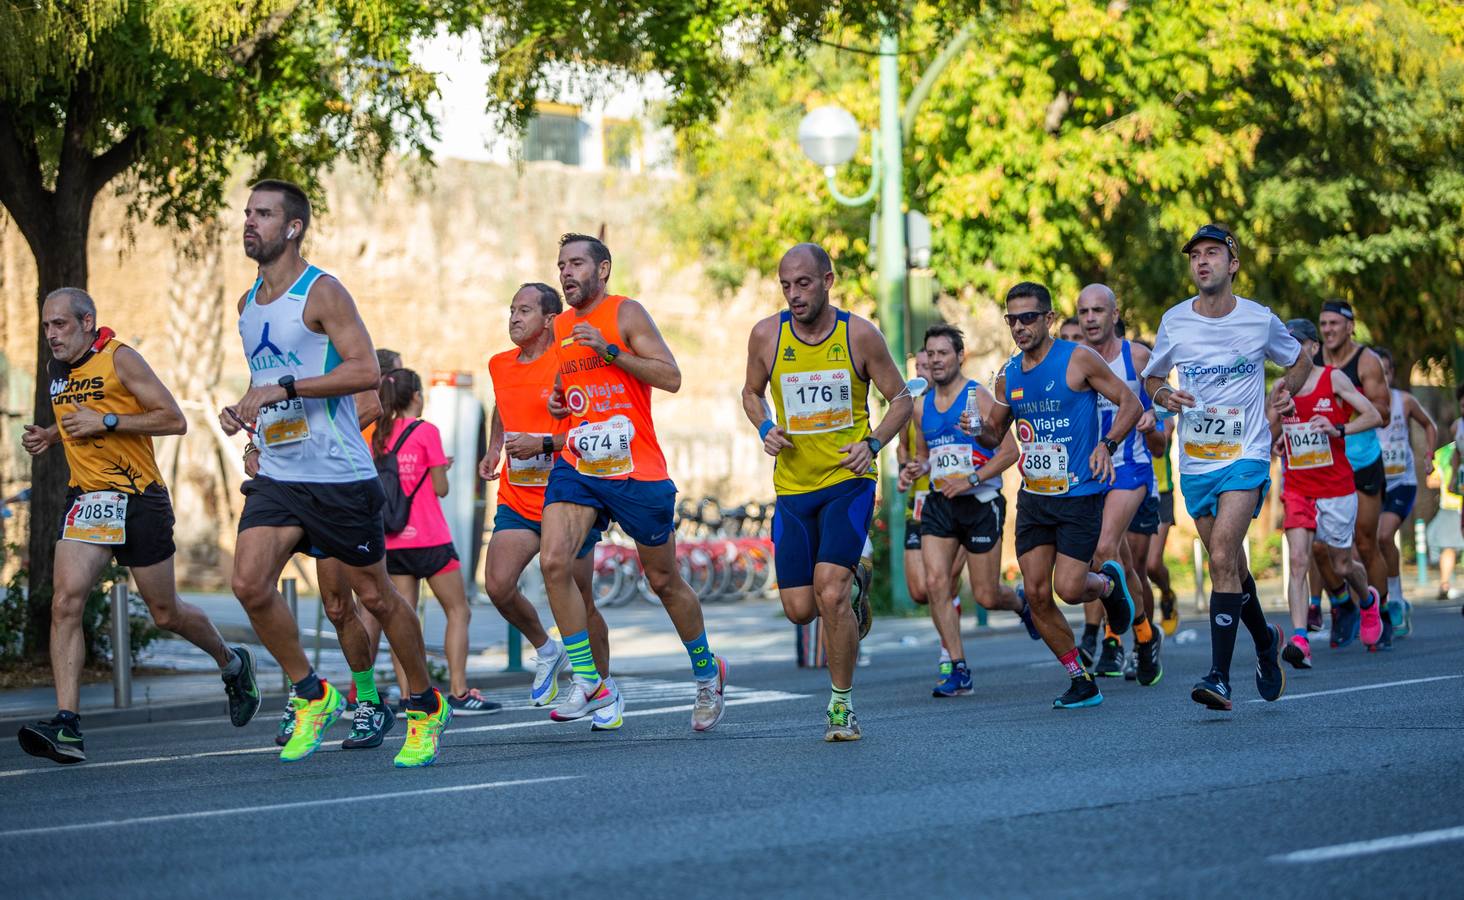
<point>554,134</point>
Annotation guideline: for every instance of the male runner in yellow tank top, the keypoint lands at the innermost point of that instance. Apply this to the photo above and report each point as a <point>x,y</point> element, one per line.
<point>820,360</point>
<point>108,406</point>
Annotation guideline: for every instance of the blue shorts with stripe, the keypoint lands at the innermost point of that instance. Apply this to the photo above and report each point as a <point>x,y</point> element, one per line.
<point>829,525</point>
<point>645,510</point>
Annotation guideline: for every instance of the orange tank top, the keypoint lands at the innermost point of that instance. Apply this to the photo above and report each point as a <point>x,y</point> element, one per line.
<point>521,392</point>
<point>610,430</point>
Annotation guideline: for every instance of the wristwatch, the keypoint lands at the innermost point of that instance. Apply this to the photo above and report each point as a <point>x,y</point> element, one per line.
<point>1111,444</point>
<point>973,479</point>
<point>288,383</point>
<point>548,445</point>
<point>109,421</point>
<point>611,351</point>
<point>874,444</point>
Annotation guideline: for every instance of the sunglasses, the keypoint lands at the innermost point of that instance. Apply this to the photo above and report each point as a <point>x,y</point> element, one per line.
<point>1026,318</point>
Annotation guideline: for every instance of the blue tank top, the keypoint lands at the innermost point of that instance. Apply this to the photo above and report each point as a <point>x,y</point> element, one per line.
<point>1133,452</point>
<point>1049,413</point>
<point>949,456</point>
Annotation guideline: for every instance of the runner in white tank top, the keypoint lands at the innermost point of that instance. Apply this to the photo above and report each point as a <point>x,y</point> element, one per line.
<point>1401,473</point>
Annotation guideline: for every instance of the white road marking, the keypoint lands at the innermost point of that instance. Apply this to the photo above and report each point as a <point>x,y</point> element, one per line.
<point>1376,845</point>
<point>744,698</point>
<point>1364,687</point>
<point>275,807</point>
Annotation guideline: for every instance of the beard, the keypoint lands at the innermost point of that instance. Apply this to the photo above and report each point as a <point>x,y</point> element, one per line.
<point>585,291</point>
<point>265,252</point>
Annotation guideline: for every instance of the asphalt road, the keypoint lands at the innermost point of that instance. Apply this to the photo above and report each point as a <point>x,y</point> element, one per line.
<point>990,795</point>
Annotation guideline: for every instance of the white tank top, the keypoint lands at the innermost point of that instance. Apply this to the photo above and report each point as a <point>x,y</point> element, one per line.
<point>1133,451</point>
<point>1397,448</point>
<point>312,440</point>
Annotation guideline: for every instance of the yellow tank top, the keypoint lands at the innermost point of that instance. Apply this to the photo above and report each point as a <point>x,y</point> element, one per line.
<point>821,403</point>
<point>1163,468</point>
<point>107,462</point>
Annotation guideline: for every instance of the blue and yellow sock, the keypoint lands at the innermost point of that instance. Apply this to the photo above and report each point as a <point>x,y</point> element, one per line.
<point>577,645</point>
<point>703,663</point>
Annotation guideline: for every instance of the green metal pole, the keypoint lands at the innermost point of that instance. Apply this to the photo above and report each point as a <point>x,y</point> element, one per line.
<point>892,273</point>
<point>515,651</point>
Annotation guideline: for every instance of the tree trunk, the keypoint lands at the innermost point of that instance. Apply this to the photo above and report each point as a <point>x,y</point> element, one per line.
<point>61,264</point>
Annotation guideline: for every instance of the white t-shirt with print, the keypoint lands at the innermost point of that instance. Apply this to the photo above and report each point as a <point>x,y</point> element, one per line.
<point>1222,362</point>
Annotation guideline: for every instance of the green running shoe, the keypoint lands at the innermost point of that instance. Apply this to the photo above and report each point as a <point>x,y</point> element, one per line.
<point>424,735</point>
<point>843,726</point>
<point>312,718</point>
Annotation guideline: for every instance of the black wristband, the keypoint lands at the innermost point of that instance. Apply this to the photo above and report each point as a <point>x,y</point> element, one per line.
<point>548,445</point>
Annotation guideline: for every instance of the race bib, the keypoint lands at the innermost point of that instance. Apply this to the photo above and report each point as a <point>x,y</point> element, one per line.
<point>1213,432</point>
<point>532,472</point>
<point>603,448</point>
<point>1045,468</point>
<point>1395,459</point>
<point>99,517</point>
<point>283,423</point>
<point>950,466</point>
<point>1307,447</point>
<point>814,402</point>
<point>919,510</point>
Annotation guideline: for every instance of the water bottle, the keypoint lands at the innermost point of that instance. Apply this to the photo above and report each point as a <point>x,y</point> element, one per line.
<point>973,414</point>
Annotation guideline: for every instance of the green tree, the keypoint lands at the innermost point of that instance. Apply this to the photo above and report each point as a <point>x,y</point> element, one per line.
<point>168,100</point>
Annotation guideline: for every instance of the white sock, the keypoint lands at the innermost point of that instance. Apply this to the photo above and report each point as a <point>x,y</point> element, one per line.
<point>550,649</point>
<point>956,602</point>
<point>945,655</point>
<point>1395,587</point>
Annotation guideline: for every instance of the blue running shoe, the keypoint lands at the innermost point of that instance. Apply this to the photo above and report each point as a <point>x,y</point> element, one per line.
<point>1212,691</point>
<point>1081,693</point>
<point>1026,614</point>
<point>956,684</point>
<point>1118,603</point>
<point>1270,677</point>
<point>1402,619</point>
<point>1385,640</point>
<point>1346,624</point>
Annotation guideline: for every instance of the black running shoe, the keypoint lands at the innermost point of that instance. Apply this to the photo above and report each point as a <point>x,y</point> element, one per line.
<point>242,689</point>
<point>1313,618</point>
<point>1118,603</point>
<point>1212,691</point>
<point>1110,661</point>
<point>1082,692</point>
<point>1385,641</point>
<point>1025,614</point>
<point>862,613</point>
<point>1147,667</point>
<point>1346,623</point>
<point>56,740</point>
<point>369,724</point>
<point>287,721</point>
<point>1086,648</point>
<point>1270,677</point>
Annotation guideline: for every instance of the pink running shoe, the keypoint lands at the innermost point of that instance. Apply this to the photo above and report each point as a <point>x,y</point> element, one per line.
<point>1372,620</point>
<point>1298,652</point>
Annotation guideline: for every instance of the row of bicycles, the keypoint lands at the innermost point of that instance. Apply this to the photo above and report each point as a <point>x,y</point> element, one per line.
<point>725,553</point>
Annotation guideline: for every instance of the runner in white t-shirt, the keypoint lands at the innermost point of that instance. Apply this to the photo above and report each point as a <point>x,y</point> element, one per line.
<point>1220,344</point>
<point>1400,471</point>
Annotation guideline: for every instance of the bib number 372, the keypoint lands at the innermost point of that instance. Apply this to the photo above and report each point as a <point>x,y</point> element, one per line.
<point>98,517</point>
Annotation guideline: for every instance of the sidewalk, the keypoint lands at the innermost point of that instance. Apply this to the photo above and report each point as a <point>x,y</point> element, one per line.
<point>642,642</point>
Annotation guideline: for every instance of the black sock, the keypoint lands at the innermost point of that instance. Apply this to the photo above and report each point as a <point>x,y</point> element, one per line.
<point>959,663</point>
<point>1251,614</point>
<point>67,717</point>
<point>1090,632</point>
<point>1224,621</point>
<point>310,687</point>
<point>424,702</point>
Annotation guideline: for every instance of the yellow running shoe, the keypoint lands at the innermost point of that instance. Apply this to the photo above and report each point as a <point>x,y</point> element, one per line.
<point>1169,614</point>
<point>312,718</point>
<point>424,735</point>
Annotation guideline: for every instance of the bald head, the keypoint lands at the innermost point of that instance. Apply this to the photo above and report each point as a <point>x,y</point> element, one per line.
<point>1097,293</point>
<point>817,255</point>
<point>806,274</point>
<point>1097,314</point>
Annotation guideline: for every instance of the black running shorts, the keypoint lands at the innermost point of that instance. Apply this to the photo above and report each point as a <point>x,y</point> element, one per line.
<point>974,524</point>
<point>1071,524</point>
<point>149,538</point>
<point>340,521</point>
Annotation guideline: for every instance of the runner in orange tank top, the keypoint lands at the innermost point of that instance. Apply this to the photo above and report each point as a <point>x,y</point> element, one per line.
<point>612,469</point>
<point>523,378</point>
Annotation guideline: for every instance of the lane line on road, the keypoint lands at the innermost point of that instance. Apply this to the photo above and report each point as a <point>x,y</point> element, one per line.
<point>751,698</point>
<point>1376,845</point>
<point>1360,687</point>
<point>275,807</point>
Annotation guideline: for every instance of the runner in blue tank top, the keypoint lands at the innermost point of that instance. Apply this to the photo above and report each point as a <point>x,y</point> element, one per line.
<point>1131,510</point>
<point>1050,390</point>
<point>317,490</point>
<point>965,508</point>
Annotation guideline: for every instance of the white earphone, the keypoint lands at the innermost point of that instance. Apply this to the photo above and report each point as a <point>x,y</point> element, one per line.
<point>290,234</point>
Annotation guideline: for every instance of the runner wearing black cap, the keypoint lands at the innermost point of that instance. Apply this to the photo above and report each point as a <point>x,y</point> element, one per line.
<point>1365,370</point>
<point>1220,343</point>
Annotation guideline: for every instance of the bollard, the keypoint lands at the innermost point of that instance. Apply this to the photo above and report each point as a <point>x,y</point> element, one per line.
<point>1420,550</point>
<point>1201,601</point>
<point>292,600</point>
<point>121,648</point>
<point>515,651</point>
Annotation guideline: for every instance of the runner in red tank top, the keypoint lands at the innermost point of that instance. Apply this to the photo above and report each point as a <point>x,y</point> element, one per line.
<point>612,469</point>
<point>1318,493</point>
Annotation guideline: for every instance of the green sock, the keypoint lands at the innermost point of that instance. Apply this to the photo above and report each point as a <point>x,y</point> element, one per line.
<point>366,686</point>
<point>838,696</point>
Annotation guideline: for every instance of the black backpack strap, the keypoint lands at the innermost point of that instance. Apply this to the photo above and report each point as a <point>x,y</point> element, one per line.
<point>406,433</point>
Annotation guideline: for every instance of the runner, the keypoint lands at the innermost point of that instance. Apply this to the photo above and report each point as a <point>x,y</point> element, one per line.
<point>1445,539</point>
<point>610,355</point>
<point>1130,501</point>
<point>821,361</point>
<point>1071,330</point>
<point>1363,368</point>
<point>1158,570</point>
<point>916,491</point>
<point>1051,387</point>
<point>316,491</point>
<point>1317,492</point>
<point>423,550</point>
<point>1402,487</point>
<point>523,379</point>
<point>966,511</point>
<point>108,405</point>
<point>1220,343</point>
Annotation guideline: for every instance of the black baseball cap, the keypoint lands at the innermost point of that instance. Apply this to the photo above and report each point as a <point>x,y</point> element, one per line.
<point>1213,232</point>
<point>1303,330</point>
<point>1340,307</point>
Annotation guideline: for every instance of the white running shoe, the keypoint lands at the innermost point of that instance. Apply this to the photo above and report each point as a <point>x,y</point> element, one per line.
<point>610,718</point>
<point>711,701</point>
<point>547,670</point>
<point>580,704</point>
